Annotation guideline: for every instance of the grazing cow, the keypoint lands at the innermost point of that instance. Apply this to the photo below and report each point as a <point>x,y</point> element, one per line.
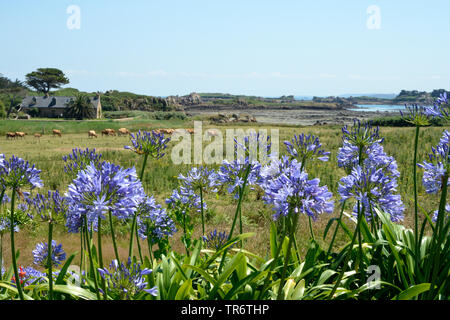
<point>108,132</point>
<point>123,131</point>
<point>57,132</point>
<point>212,133</point>
<point>92,133</point>
<point>191,131</point>
<point>21,134</point>
<point>166,131</point>
<point>10,135</point>
<point>37,135</point>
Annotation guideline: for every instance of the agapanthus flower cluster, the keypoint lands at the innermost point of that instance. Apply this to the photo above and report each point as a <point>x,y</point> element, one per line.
<point>5,199</point>
<point>372,186</point>
<point>95,191</point>
<point>79,159</point>
<point>126,281</point>
<point>441,108</point>
<point>359,138</point>
<point>17,173</point>
<point>49,207</point>
<point>447,213</point>
<point>371,180</point>
<point>200,178</point>
<point>305,147</point>
<point>185,199</point>
<point>153,221</point>
<point>5,225</point>
<point>437,166</point>
<point>40,254</point>
<point>416,115</point>
<point>247,146</point>
<point>149,143</point>
<point>288,189</point>
<point>216,240</point>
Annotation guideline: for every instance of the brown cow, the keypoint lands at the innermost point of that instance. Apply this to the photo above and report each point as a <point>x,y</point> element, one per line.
<point>108,132</point>
<point>212,133</point>
<point>123,131</point>
<point>10,135</point>
<point>191,131</point>
<point>20,134</point>
<point>37,135</point>
<point>92,133</point>
<point>57,132</point>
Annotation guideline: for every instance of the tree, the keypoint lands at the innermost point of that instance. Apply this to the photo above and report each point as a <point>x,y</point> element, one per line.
<point>44,79</point>
<point>11,93</point>
<point>80,108</point>
<point>2,110</point>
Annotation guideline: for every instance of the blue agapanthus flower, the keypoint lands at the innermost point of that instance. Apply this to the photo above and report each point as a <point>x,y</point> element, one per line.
<point>95,191</point>
<point>416,115</point>
<point>288,189</point>
<point>149,143</point>
<point>372,186</point>
<point>372,174</point>
<point>126,281</point>
<point>153,221</point>
<point>441,108</point>
<point>5,224</point>
<point>447,213</point>
<point>79,159</point>
<point>305,147</point>
<point>200,178</point>
<point>40,254</point>
<point>17,173</point>
<point>50,206</point>
<point>361,138</point>
<point>437,166</point>
<point>185,199</point>
<point>216,240</point>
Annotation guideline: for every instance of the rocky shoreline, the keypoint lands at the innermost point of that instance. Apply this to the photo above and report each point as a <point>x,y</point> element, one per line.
<point>289,116</point>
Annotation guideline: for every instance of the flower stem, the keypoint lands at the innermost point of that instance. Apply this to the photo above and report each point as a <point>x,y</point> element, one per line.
<point>100,253</point>
<point>113,236</point>
<point>91,261</point>
<point>416,224</point>
<point>49,259</point>
<point>13,249</point>
<point>201,204</point>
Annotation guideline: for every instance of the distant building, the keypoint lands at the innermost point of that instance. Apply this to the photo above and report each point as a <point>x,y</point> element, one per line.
<point>53,107</point>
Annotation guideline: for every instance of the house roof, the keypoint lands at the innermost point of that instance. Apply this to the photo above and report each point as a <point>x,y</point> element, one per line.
<point>50,102</point>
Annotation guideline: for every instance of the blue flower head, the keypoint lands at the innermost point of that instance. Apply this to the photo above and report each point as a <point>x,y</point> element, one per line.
<point>79,159</point>
<point>95,191</point>
<point>17,173</point>
<point>149,143</point>
<point>437,166</point>
<point>288,189</point>
<point>40,254</point>
<point>153,221</point>
<point>304,147</point>
<point>126,281</point>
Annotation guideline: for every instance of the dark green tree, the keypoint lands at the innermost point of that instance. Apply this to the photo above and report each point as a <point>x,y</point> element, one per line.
<point>45,79</point>
<point>80,108</point>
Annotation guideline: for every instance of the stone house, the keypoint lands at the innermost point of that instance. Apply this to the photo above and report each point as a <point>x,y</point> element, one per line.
<point>53,107</point>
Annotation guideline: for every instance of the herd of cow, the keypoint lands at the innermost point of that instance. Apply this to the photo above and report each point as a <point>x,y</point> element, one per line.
<point>93,134</point>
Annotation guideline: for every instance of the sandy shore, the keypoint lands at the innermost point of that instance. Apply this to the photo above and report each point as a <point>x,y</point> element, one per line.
<point>302,117</point>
